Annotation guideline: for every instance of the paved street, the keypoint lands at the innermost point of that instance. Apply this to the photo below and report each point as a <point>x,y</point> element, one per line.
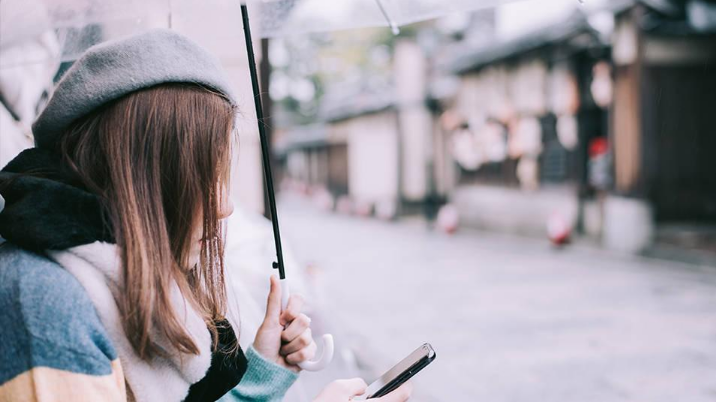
<point>512,318</point>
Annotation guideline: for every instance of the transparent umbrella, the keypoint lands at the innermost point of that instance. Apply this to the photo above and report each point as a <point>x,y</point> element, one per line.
<point>287,17</point>
<point>79,24</point>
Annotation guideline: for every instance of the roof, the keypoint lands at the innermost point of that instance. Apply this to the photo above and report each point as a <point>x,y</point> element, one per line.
<point>302,137</point>
<point>667,7</point>
<point>672,17</point>
<point>357,104</point>
<point>498,51</point>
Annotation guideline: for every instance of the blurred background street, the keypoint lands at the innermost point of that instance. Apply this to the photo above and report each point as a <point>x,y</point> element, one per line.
<point>511,318</point>
<point>561,152</point>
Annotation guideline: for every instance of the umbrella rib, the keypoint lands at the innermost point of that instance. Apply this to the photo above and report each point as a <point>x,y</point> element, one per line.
<point>391,23</point>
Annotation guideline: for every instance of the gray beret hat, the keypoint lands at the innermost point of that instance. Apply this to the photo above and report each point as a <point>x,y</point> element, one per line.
<point>110,70</point>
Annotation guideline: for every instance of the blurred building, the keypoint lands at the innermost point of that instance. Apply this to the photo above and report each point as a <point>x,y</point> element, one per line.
<point>363,159</point>
<point>662,130</point>
<point>304,151</point>
<point>599,120</point>
<point>520,125</point>
<point>373,147</point>
<point>610,131</point>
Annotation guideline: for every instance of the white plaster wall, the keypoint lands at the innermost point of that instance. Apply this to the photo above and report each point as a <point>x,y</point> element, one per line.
<point>216,25</point>
<point>414,118</point>
<point>512,210</point>
<point>628,224</point>
<point>674,51</point>
<point>415,127</point>
<point>373,158</point>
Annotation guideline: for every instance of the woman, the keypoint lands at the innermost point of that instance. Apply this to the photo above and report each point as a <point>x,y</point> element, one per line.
<point>112,275</point>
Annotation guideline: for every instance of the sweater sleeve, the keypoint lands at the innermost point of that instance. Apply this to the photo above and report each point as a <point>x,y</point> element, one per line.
<point>263,380</point>
<point>52,344</point>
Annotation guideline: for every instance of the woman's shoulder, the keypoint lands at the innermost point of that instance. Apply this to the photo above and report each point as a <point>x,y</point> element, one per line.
<point>48,320</point>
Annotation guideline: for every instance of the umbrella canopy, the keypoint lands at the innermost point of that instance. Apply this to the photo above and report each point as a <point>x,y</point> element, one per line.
<point>80,24</point>
<point>287,17</point>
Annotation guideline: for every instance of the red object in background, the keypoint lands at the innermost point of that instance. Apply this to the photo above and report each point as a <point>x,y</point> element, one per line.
<point>599,164</point>
<point>558,230</point>
<point>598,146</point>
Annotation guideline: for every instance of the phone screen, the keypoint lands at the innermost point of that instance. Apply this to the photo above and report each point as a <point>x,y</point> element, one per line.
<point>400,373</point>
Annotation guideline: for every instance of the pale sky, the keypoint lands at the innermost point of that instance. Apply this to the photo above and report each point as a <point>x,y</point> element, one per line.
<point>524,16</point>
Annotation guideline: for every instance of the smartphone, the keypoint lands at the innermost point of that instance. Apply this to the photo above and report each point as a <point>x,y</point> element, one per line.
<point>402,372</point>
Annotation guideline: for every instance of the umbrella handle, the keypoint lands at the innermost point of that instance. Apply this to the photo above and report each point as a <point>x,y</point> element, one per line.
<point>326,357</point>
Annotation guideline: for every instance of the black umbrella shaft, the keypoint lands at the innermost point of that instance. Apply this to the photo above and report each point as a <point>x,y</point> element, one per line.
<point>264,140</point>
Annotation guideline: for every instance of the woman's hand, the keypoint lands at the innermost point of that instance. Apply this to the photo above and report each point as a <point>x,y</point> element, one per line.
<point>347,389</point>
<point>285,338</point>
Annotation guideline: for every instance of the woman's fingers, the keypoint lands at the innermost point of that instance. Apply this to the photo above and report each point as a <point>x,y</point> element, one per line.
<point>273,305</point>
<point>300,342</point>
<point>268,336</point>
<point>398,395</point>
<point>353,387</point>
<point>304,354</point>
<point>293,309</point>
<point>297,326</point>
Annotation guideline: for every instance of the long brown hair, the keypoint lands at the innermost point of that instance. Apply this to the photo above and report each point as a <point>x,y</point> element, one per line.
<point>159,159</point>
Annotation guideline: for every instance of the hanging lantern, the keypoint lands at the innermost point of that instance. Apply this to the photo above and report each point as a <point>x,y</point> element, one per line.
<point>567,131</point>
<point>601,87</point>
